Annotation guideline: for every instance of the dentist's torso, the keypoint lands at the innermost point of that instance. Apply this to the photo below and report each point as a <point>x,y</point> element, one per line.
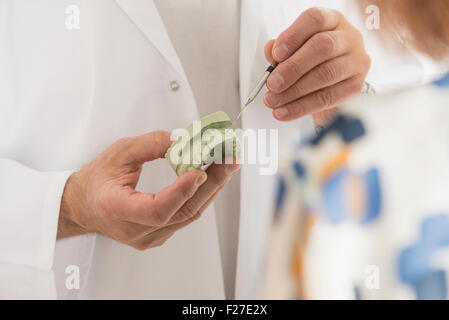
<point>77,91</point>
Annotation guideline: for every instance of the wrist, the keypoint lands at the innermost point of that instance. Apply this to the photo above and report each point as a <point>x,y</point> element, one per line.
<point>72,209</point>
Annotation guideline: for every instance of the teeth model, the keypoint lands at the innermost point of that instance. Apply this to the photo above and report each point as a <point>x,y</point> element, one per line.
<point>209,140</point>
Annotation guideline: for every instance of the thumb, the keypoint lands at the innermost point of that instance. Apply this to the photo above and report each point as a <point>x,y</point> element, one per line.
<point>144,148</point>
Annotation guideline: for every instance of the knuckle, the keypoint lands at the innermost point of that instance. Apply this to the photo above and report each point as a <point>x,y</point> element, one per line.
<point>268,48</point>
<point>338,14</point>
<point>186,192</point>
<point>153,243</point>
<point>157,244</point>
<point>287,36</point>
<point>124,236</point>
<point>162,241</point>
<point>161,137</point>
<point>122,142</point>
<point>356,86</point>
<point>223,179</point>
<point>188,211</point>
<point>217,177</point>
<point>358,37</point>
<point>196,216</point>
<point>157,217</point>
<point>119,148</point>
<point>317,15</point>
<point>326,73</point>
<point>324,43</point>
<point>140,246</point>
<point>296,92</point>
<point>367,62</point>
<point>298,109</point>
<point>324,98</point>
<point>293,67</point>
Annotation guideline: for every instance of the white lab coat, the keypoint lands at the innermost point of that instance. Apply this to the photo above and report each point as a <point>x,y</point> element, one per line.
<point>66,95</point>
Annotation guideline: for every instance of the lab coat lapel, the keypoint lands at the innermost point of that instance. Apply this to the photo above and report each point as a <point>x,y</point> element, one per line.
<point>261,20</point>
<point>250,30</point>
<point>251,67</point>
<point>146,17</point>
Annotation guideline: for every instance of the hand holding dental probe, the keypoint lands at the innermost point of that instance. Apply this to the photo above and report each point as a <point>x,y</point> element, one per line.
<point>321,60</point>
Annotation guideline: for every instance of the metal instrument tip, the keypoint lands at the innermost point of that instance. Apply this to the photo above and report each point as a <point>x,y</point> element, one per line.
<point>240,114</point>
<point>258,88</point>
<point>244,107</point>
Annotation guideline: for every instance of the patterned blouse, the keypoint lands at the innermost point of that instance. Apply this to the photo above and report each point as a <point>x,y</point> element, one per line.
<point>362,209</point>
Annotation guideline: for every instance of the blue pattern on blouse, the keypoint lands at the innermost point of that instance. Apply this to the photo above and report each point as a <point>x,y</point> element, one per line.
<point>443,82</point>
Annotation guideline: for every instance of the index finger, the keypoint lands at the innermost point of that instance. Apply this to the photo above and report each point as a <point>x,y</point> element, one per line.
<point>143,148</point>
<point>310,22</point>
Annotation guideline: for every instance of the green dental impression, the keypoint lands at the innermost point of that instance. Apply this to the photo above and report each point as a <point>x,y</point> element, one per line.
<point>209,140</point>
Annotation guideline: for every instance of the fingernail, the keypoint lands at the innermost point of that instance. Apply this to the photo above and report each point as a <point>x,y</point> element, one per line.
<point>230,169</point>
<point>281,52</point>
<point>275,81</point>
<point>271,99</point>
<point>201,179</point>
<point>281,113</point>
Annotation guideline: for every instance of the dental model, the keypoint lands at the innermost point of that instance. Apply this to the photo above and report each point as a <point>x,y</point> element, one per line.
<point>209,140</point>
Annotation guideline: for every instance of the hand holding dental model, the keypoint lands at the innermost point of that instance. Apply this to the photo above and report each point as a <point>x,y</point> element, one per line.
<point>321,61</point>
<point>101,197</point>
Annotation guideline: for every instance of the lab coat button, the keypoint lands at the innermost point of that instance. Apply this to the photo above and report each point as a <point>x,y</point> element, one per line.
<point>174,85</point>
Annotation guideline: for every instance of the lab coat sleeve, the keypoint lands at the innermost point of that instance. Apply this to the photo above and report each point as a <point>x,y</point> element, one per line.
<point>29,210</point>
<point>22,282</point>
